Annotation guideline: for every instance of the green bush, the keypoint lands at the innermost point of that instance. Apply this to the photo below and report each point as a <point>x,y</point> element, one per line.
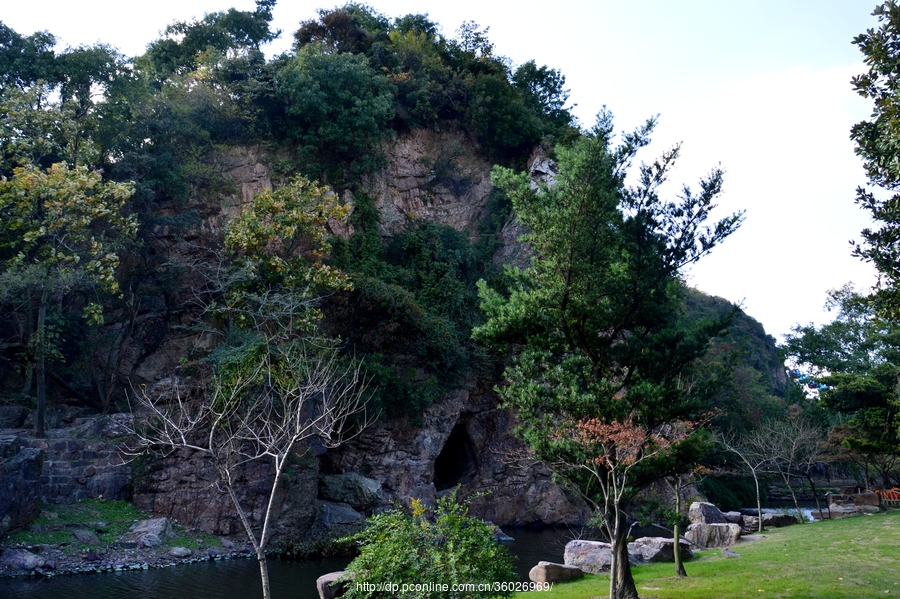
<point>416,547</point>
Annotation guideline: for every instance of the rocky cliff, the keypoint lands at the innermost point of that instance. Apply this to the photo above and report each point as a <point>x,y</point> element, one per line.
<point>463,439</point>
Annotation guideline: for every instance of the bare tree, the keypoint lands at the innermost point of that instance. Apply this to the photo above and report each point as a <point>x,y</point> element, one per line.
<point>791,446</point>
<point>263,408</point>
<point>754,459</point>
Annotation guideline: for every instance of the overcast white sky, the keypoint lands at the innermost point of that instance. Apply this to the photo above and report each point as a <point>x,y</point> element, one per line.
<point>761,87</point>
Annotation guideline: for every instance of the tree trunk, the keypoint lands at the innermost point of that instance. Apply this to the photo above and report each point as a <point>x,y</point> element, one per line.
<point>264,573</point>
<point>759,527</point>
<point>676,529</point>
<point>800,518</point>
<point>621,580</point>
<point>812,486</point>
<point>41,368</point>
<point>679,565</point>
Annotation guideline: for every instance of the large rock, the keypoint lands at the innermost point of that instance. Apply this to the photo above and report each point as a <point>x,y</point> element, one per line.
<point>329,587</point>
<point>779,520</point>
<point>703,512</point>
<point>704,536</point>
<point>431,176</point>
<point>19,560</point>
<point>338,514</point>
<point>86,537</point>
<point>20,477</point>
<point>593,557</point>
<point>658,549</point>
<point>734,517</point>
<point>550,572</point>
<point>355,490</point>
<point>870,499</point>
<point>149,533</point>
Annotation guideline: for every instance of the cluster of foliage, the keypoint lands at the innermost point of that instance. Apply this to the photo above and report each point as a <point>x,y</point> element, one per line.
<point>412,309</point>
<point>857,356</point>
<point>157,122</point>
<point>878,143</point>
<point>437,80</point>
<point>419,546</point>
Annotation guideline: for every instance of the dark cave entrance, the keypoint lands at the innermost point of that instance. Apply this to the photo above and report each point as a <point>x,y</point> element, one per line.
<point>456,463</point>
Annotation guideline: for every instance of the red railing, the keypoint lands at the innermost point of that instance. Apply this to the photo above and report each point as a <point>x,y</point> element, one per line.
<point>891,497</point>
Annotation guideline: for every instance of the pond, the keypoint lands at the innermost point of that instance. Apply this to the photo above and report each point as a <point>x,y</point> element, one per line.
<point>239,579</point>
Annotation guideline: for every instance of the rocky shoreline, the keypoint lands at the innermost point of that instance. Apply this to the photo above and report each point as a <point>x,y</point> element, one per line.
<point>150,543</point>
<point>59,560</point>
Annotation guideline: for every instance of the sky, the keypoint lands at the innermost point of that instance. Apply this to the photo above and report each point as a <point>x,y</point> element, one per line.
<point>760,88</point>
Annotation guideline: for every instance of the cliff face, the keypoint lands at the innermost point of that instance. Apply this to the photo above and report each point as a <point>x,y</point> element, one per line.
<point>431,176</point>
<point>463,440</point>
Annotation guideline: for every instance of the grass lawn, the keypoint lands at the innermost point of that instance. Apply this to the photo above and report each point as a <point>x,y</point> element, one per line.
<point>849,558</point>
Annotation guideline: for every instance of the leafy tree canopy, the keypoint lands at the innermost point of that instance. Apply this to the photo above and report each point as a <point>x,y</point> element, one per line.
<point>878,144</point>
<point>601,376</point>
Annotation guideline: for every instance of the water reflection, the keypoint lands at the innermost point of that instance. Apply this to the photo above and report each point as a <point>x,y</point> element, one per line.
<point>239,579</point>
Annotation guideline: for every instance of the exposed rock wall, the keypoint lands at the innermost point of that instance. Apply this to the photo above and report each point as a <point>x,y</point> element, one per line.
<point>20,473</point>
<point>84,461</point>
<point>465,441</point>
<point>431,176</point>
<point>183,486</point>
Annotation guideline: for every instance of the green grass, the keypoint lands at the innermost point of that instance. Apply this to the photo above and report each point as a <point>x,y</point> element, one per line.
<point>116,517</point>
<point>57,524</point>
<point>193,540</point>
<point>849,558</point>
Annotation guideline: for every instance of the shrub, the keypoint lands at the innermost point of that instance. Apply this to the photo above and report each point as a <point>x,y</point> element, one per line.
<point>415,547</point>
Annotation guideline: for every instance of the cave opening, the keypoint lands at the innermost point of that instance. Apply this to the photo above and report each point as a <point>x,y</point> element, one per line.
<point>456,463</point>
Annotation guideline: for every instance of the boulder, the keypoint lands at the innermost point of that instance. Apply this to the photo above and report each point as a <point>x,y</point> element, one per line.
<point>86,537</point>
<point>704,536</point>
<point>498,533</point>
<point>355,490</point>
<point>180,552</point>
<point>149,533</point>
<point>728,553</point>
<point>329,587</point>
<point>734,517</point>
<point>593,557</point>
<point>550,572</point>
<point>703,512</point>
<point>21,560</point>
<point>779,520</point>
<point>870,499</point>
<point>658,549</point>
<point>337,514</point>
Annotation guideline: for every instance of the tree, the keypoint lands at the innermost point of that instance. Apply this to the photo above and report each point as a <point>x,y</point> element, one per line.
<point>265,405</point>
<point>790,448</point>
<point>601,375</point>
<point>753,459</point>
<point>59,230</point>
<point>856,356</point>
<point>338,107</point>
<point>878,144</point>
<point>25,59</point>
